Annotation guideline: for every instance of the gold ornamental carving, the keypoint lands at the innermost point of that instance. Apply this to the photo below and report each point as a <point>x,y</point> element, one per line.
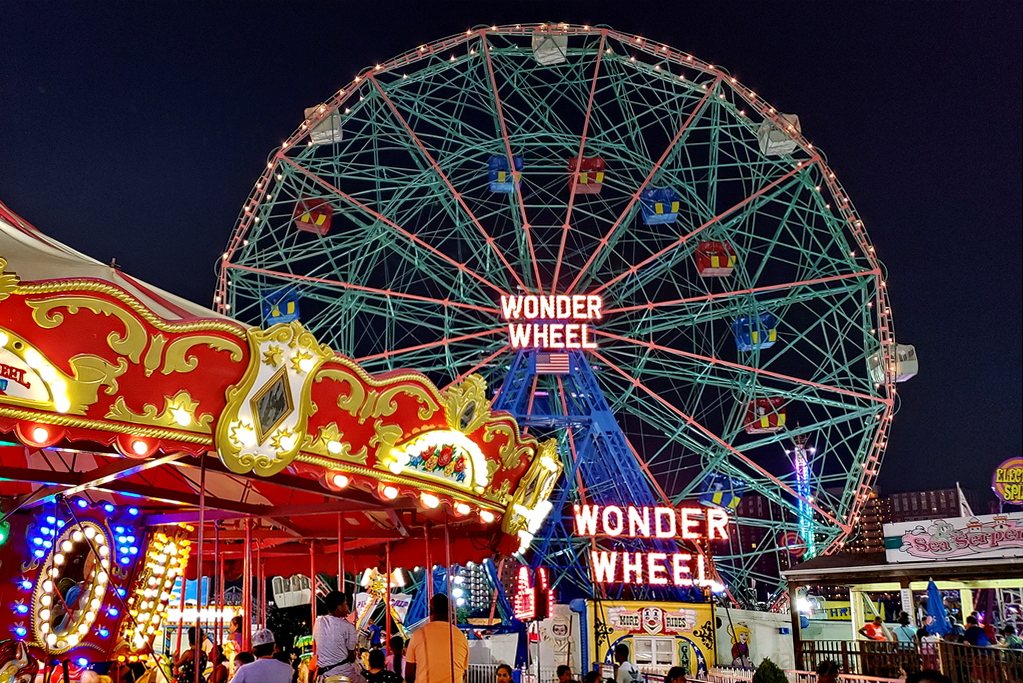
<point>379,400</point>
<point>8,281</point>
<point>264,423</point>
<point>330,442</point>
<point>179,412</point>
<point>466,404</point>
<point>129,343</point>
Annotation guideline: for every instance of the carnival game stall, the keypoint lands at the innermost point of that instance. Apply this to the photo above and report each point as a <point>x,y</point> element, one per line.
<point>147,438</point>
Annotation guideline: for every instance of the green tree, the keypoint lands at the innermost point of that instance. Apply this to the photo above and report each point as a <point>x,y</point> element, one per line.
<point>768,672</point>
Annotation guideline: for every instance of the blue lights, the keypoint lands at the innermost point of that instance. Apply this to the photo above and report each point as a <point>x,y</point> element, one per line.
<point>37,541</point>
<point>26,585</point>
<point>123,550</point>
<point>81,502</point>
<point>130,539</point>
<point>133,511</point>
<point>103,632</point>
<point>60,523</point>
<point>82,662</point>
<point>113,612</point>
<point>108,508</point>
<point>40,553</point>
<point>50,519</point>
<point>21,609</point>
<point>20,631</point>
<point>45,531</point>
<point>125,560</point>
<point>133,550</point>
<point>121,592</point>
<point>119,530</point>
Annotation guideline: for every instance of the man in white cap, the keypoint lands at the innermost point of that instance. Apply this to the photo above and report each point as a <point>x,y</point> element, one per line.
<point>265,669</point>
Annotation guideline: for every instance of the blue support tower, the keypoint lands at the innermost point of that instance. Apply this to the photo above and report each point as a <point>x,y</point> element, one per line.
<point>599,465</point>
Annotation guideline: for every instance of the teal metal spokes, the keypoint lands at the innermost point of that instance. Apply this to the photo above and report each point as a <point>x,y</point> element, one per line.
<point>420,247</point>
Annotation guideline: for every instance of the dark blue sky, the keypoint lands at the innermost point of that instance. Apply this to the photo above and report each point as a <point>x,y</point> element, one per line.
<point>135,130</point>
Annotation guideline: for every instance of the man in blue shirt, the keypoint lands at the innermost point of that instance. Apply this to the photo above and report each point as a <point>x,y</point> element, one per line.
<point>974,633</point>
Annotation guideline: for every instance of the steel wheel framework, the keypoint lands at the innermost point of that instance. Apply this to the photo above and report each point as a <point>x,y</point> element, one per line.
<point>420,251</point>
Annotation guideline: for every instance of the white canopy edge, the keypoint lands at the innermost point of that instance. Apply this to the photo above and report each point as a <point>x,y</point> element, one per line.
<point>35,257</point>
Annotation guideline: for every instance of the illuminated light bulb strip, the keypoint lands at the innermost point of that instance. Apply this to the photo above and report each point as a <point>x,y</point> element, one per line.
<point>165,561</point>
<point>92,536</point>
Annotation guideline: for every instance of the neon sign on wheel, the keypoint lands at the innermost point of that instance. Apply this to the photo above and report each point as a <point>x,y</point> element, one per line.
<point>650,568</point>
<point>551,322</point>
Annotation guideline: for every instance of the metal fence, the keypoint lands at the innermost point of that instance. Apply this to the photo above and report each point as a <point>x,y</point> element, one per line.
<point>879,659</point>
<point>728,675</point>
<point>487,673</point>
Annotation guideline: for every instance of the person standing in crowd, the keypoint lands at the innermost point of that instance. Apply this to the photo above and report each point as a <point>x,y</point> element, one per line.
<point>395,659</point>
<point>266,668</point>
<point>904,633</point>
<point>627,671</point>
<point>989,629</point>
<point>827,672</point>
<point>676,674</point>
<point>974,633</point>
<point>376,672</point>
<point>875,630</point>
<point>437,652</point>
<point>220,673</point>
<point>184,667</point>
<point>503,674</point>
<point>956,633</point>
<point>241,659</point>
<point>564,672</point>
<point>1011,639</point>
<point>334,638</point>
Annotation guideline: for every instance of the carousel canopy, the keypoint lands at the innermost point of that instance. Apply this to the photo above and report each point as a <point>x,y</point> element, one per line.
<point>114,390</point>
<point>35,256</point>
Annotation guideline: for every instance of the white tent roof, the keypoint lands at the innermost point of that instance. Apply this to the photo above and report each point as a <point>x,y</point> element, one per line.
<point>34,256</point>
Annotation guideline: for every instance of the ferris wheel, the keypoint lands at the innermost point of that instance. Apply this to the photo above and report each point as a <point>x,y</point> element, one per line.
<point>578,213</point>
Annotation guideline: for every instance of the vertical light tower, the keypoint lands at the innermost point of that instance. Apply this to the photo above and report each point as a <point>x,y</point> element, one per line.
<point>804,509</point>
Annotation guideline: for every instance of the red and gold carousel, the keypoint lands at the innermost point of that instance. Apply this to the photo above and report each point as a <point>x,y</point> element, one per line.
<point>147,438</point>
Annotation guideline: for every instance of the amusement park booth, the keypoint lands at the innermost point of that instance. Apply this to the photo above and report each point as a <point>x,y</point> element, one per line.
<point>148,439</point>
<point>977,556</point>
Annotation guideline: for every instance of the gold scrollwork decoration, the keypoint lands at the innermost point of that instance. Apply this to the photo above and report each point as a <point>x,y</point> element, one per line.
<point>263,424</point>
<point>466,404</point>
<point>154,354</point>
<point>330,442</point>
<point>130,343</point>
<point>91,373</point>
<point>179,412</point>
<point>511,450</point>
<point>368,405</point>
<point>179,359</point>
<point>385,436</point>
<point>534,488</point>
<point>8,281</point>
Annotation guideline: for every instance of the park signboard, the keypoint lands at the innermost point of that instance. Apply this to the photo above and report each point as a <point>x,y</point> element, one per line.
<point>958,538</point>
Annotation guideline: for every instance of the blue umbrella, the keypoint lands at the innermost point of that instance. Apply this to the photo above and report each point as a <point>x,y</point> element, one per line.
<point>936,610</point>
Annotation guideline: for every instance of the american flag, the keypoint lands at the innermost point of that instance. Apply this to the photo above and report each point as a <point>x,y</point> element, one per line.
<point>551,363</point>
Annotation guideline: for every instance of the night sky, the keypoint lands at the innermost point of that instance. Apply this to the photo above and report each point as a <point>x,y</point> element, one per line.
<point>135,131</point>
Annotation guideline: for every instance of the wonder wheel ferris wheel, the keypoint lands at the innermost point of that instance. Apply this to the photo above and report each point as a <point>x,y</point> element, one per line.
<point>437,210</point>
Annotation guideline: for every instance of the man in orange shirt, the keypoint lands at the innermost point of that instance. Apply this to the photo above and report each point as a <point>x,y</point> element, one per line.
<point>438,652</point>
<point>875,630</point>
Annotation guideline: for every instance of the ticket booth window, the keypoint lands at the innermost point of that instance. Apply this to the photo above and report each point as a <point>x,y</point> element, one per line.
<point>654,650</point>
